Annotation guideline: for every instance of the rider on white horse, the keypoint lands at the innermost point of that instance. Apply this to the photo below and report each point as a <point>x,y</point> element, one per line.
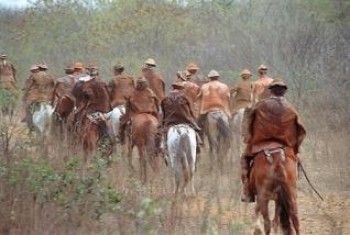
<point>38,88</point>
<point>177,109</point>
<point>120,88</point>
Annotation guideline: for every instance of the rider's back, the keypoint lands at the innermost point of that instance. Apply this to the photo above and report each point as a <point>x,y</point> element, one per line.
<point>121,87</point>
<point>275,119</point>
<point>143,101</point>
<point>215,97</point>
<point>41,88</point>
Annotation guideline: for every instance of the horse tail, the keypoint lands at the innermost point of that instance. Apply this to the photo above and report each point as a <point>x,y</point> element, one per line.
<point>223,128</point>
<point>150,133</point>
<point>224,131</point>
<point>185,157</point>
<point>283,197</point>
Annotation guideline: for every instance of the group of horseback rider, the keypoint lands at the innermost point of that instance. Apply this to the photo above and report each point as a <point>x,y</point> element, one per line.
<point>267,116</point>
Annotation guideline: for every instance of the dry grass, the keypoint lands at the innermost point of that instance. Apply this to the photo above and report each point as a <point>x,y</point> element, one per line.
<point>29,208</point>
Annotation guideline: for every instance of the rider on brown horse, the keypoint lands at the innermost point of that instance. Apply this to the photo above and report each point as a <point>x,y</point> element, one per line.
<point>154,78</point>
<point>120,87</point>
<point>260,90</point>
<point>64,85</point>
<point>193,76</point>
<point>142,100</point>
<point>273,123</point>
<point>242,91</point>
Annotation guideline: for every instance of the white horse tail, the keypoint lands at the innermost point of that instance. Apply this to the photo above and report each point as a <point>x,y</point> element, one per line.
<point>41,117</point>
<point>185,158</point>
<point>114,117</point>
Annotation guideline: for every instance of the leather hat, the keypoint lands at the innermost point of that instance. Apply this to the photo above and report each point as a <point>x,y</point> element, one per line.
<point>178,85</point>
<point>262,67</point>
<point>278,82</point>
<point>245,72</point>
<point>78,65</point>
<point>192,66</point>
<point>42,65</point>
<point>213,73</point>
<point>33,67</point>
<point>181,75</point>
<point>69,67</point>
<point>118,66</point>
<point>151,62</point>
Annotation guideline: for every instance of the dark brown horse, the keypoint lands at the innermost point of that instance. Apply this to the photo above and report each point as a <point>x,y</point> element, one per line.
<point>91,124</point>
<point>63,109</point>
<point>143,134</point>
<point>273,177</point>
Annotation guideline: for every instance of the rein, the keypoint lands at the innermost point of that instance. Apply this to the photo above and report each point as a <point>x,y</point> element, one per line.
<point>308,180</point>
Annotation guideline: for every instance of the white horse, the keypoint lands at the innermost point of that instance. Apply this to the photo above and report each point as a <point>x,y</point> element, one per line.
<point>237,122</point>
<point>181,146</point>
<point>41,117</point>
<point>114,118</point>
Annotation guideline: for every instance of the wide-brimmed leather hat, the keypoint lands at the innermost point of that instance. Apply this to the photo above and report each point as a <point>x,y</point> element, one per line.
<point>118,66</point>
<point>151,62</point>
<point>42,65</point>
<point>192,66</point>
<point>69,67</point>
<point>262,67</point>
<point>181,75</point>
<point>33,67</point>
<point>213,73</point>
<point>245,72</point>
<point>277,82</point>
<point>178,85</point>
<point>78,65</point>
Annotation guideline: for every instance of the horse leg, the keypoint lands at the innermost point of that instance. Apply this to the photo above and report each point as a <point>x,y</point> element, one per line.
<point>257,225</point>
<point>294,215</point>
<point>130,148</point>
<point>265,214</point>
<point>143,164</point>
<point>177,179</point>
<point>276,221</point>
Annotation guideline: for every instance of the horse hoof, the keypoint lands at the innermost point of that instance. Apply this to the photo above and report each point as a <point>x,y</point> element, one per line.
<point>258,231</point>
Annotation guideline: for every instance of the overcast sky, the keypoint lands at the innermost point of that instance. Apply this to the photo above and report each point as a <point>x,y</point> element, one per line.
<point>13,3</point>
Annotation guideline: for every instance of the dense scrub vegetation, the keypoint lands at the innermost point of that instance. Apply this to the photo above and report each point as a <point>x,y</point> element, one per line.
<point>305,42</point>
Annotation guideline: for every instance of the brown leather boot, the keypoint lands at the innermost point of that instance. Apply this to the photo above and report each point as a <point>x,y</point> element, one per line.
<point>247,195</point>
<point>121,134</point>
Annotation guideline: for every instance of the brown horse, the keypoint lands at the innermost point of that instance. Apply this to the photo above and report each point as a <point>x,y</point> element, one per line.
<point>143,135</point>
<point>91,124</point>
<point>273,177</point>
<point>63,108</point>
